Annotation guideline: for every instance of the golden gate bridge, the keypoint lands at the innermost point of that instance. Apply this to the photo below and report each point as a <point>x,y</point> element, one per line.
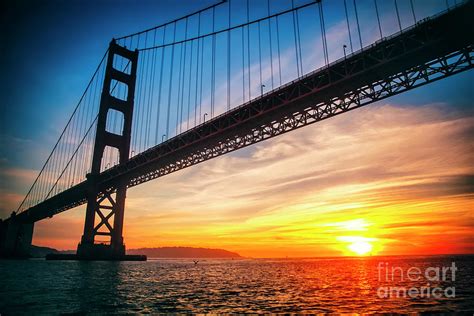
<point>218,80</point>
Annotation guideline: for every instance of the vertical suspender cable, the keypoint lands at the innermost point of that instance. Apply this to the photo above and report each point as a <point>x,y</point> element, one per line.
<point>413,11</point>
<point>73,147</point>
<point>69,139</point>
<point>278,47</point>
<point>200,80</point>
<point>348,26</point>
<point>171,84</point>
<point>398,15</point>
<point>299,40</point>
<point>137,98</point>
<point>90,112</point>
<point>228,58</point>
<point>72,144</point>
<point>296,39</point>
<point>213,70</point>
<point>68,142</point>
<point>146,76</point>
<point>84,123</point>
<point>323,32</point>
<point>141,104</point>
<point>134,140</point>
<point>160,84</point>
<point>197,71</point>
<point>190,82</point>
<point>270,42</point>
<point>77,162</point>
<point>248,49</point>
<point>151,92</point>
<point>358,25</point>
<point>260,56</point>
<point>243,65</point>
<point>378,18</point>
<point>183,79</point>
<point>179,100</point>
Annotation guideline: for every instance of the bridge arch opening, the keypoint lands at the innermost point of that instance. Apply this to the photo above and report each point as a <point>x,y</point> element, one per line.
<point>110,158</point>
<point>118,90</point>
<point>115,122</point>
<point>122,64</point>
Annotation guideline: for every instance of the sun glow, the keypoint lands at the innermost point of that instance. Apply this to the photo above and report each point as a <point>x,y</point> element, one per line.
<point>361,248</point>
<point>359,245</point>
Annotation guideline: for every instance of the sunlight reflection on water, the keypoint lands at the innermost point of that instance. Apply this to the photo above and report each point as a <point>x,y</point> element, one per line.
<point>264,285</point>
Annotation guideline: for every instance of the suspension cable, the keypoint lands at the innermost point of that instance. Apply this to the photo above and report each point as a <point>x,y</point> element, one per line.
<point>64,130</point>
<point>174,21</point>
<point>235,26</point>
<point>80,144</point>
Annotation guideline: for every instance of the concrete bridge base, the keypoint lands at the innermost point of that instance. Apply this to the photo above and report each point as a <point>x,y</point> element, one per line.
<point>15,238</point>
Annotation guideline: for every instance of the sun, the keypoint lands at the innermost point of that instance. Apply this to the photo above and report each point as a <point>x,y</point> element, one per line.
<point>363,243</point>
<point>361,248</point>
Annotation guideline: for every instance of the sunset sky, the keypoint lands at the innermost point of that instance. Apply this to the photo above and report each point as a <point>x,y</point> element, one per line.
<point>394,177</point>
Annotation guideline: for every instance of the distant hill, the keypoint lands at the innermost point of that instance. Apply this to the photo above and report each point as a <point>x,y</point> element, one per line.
<point>160,252</point>
<point>183,252</point>
<point>41,252</point>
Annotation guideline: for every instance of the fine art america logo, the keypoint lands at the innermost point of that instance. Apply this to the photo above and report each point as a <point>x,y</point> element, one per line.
<point>432,277</point>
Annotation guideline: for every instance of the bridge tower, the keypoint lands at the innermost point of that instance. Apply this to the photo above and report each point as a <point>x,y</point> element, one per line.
<point>107,205</point>
<point>15,237</point>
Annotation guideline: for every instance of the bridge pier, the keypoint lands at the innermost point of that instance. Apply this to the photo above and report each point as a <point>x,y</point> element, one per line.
<point>103,206</point>
<point>15,238</point>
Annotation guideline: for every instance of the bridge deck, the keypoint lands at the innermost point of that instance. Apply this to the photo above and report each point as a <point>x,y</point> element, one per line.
<point>431,50</point>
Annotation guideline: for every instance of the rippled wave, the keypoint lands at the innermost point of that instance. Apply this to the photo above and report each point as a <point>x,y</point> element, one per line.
<point>219,286</point>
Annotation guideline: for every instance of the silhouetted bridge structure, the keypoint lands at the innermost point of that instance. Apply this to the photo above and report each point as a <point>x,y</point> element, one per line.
<point>134,142</point>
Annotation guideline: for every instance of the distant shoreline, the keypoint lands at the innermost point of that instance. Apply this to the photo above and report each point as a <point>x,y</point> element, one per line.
<point>154,253</point>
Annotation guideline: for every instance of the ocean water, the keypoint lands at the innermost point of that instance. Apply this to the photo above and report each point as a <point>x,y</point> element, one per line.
<point>250,285</point>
